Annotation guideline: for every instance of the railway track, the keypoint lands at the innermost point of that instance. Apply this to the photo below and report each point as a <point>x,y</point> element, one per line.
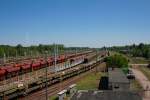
<point>54,89</point>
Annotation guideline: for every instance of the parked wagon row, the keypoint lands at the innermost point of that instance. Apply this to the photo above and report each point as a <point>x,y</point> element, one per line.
<point>12,70</point>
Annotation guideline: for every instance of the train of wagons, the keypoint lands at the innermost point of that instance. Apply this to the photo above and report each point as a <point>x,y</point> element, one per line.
<point>25,88</point>
<point>11,70</point>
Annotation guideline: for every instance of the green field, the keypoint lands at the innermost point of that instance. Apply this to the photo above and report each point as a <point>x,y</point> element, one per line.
<point>138,60</point>
<point>89,82</point>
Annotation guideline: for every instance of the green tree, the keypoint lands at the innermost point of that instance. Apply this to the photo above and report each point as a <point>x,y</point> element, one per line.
<point>117,61</point>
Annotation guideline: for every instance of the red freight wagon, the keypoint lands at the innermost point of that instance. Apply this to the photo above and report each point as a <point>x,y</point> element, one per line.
<point>26,68</point>
<point>43,63</point>
<point>36,65</point>
<point>11,71</point>
<point>61,59</point>
<point>2,74</point>
<point>50,62</point>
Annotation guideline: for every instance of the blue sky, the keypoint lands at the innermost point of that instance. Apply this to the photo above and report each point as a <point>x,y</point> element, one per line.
<point>93,23</point>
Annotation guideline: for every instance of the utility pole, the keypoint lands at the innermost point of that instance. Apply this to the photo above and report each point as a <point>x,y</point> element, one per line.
<point>16,54</point>
<point>25,54</point>
<point>57,55</point>
<point>96,58</point>
<point>46,75</point>
<point>65,58</point>
<point>4,58</point>
<point>76,50</point>
<point>31,54</point>
<point>55,59</point>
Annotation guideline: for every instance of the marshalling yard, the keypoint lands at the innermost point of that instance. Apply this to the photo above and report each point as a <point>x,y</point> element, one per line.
<point>32,78</point>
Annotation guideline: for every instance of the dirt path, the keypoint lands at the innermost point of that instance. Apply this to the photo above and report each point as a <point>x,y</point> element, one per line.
<point>145,83</point>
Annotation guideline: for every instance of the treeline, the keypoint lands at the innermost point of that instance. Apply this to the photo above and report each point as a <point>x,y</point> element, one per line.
<point>19,50</point>
<point>140,50</point>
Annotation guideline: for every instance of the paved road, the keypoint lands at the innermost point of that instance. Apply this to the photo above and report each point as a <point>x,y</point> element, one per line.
<point>145,83</point>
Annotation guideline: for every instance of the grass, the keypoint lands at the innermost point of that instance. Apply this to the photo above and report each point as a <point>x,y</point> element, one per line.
<point>89,82</point>
<point>54,97</point>
<point>139,60</point>
<point>146,71</point>
<point>135,85</point>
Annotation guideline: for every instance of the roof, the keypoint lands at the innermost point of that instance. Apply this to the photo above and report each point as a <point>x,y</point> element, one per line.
<point>106,95</point>
<point>117,76</point>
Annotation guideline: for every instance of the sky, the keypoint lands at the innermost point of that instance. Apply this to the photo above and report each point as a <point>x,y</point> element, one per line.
<point>93,23</point>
